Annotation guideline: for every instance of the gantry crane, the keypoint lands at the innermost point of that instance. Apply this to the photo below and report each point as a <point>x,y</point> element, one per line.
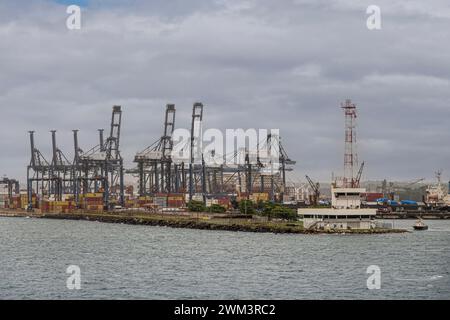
<point>101,167</point>
<point>12,186</point>
<point>156,169</point>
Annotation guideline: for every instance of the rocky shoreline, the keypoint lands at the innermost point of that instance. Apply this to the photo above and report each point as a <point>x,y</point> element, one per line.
<point>179,221</point>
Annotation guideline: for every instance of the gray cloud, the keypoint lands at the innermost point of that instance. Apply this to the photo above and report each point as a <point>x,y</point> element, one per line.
<point>260,64</point>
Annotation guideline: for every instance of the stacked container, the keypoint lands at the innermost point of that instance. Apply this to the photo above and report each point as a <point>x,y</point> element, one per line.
<point>261,196</point>
<point>21,201</point>
<point>93,202</point>
<point>58,206</point>
<point>15,202</point>
<point>144,201</point>
<point>44,204</point>
<point>175,200</point>
<point>4,200</point>
<point>160,200</point>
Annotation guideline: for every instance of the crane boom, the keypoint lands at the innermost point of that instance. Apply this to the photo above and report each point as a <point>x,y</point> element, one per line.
<point>414,182</point>
<point>311,183</point>
<point>358,176</point>
<point>315,187</point>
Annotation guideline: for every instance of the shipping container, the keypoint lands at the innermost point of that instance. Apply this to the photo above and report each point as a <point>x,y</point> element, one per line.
<point>175,203</point>
<point>371,196</point>
<point>259,196</point>
<point>160,201</point>
<point>94,195</point>
<point>196,197</point>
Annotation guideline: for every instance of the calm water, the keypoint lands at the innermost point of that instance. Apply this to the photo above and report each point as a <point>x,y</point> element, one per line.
<point>124,261</point>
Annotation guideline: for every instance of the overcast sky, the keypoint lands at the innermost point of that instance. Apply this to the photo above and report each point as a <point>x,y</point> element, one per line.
<point>254,64</point>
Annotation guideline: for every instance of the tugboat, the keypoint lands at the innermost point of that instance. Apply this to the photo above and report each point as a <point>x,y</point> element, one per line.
<point>420,225</point>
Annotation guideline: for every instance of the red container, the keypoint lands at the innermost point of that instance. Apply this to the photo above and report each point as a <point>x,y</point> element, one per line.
<point>175,203</point>
<point>372,196</point>
<point>160,195</point>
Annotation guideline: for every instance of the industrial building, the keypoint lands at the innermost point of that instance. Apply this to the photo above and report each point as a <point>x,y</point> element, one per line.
<point>346,194</point>
<point>94,179</point>
<point>343,219</point>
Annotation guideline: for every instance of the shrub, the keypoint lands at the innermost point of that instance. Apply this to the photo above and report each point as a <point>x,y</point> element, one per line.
<point>283,213</point>
<point>246,207</point>
<point>268,208</point>
<point>273,210</point>
<point>217,208</point>
<point>196,206</point>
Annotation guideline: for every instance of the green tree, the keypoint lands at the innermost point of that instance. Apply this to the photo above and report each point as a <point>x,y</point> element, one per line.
<point>274,210</point>
<point>268,208</point>
<point>246,207</point>
<point>196,206</point>
<point>282,212</point>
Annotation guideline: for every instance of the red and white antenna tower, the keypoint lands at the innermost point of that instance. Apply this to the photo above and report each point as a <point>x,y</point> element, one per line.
<point>350,156</point>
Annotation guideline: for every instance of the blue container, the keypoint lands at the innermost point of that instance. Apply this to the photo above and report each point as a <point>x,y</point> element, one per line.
<point>408,202</point>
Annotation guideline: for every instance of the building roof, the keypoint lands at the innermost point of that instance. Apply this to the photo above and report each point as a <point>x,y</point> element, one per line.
<point>337,212</point>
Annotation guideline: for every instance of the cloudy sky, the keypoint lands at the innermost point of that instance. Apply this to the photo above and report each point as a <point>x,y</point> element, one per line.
<point>253,63</point>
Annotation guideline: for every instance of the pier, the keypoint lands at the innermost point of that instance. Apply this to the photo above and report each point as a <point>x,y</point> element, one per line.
<point>415,215</point>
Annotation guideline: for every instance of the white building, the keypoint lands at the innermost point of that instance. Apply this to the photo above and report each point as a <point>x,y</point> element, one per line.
<point>341,219</point>
<point>346,198</point>
<point>345,212</point>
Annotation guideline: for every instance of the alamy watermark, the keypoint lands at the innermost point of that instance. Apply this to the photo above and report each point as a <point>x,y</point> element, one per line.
<point>74,280</point>
<point>374,280</point>
<point>374,20</point>
<point>73,22</point>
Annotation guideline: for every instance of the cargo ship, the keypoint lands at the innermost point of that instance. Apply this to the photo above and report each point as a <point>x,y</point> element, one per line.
<point>436,195</point>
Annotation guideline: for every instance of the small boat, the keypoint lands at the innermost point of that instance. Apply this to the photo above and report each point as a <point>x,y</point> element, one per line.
<point>420,225</point>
